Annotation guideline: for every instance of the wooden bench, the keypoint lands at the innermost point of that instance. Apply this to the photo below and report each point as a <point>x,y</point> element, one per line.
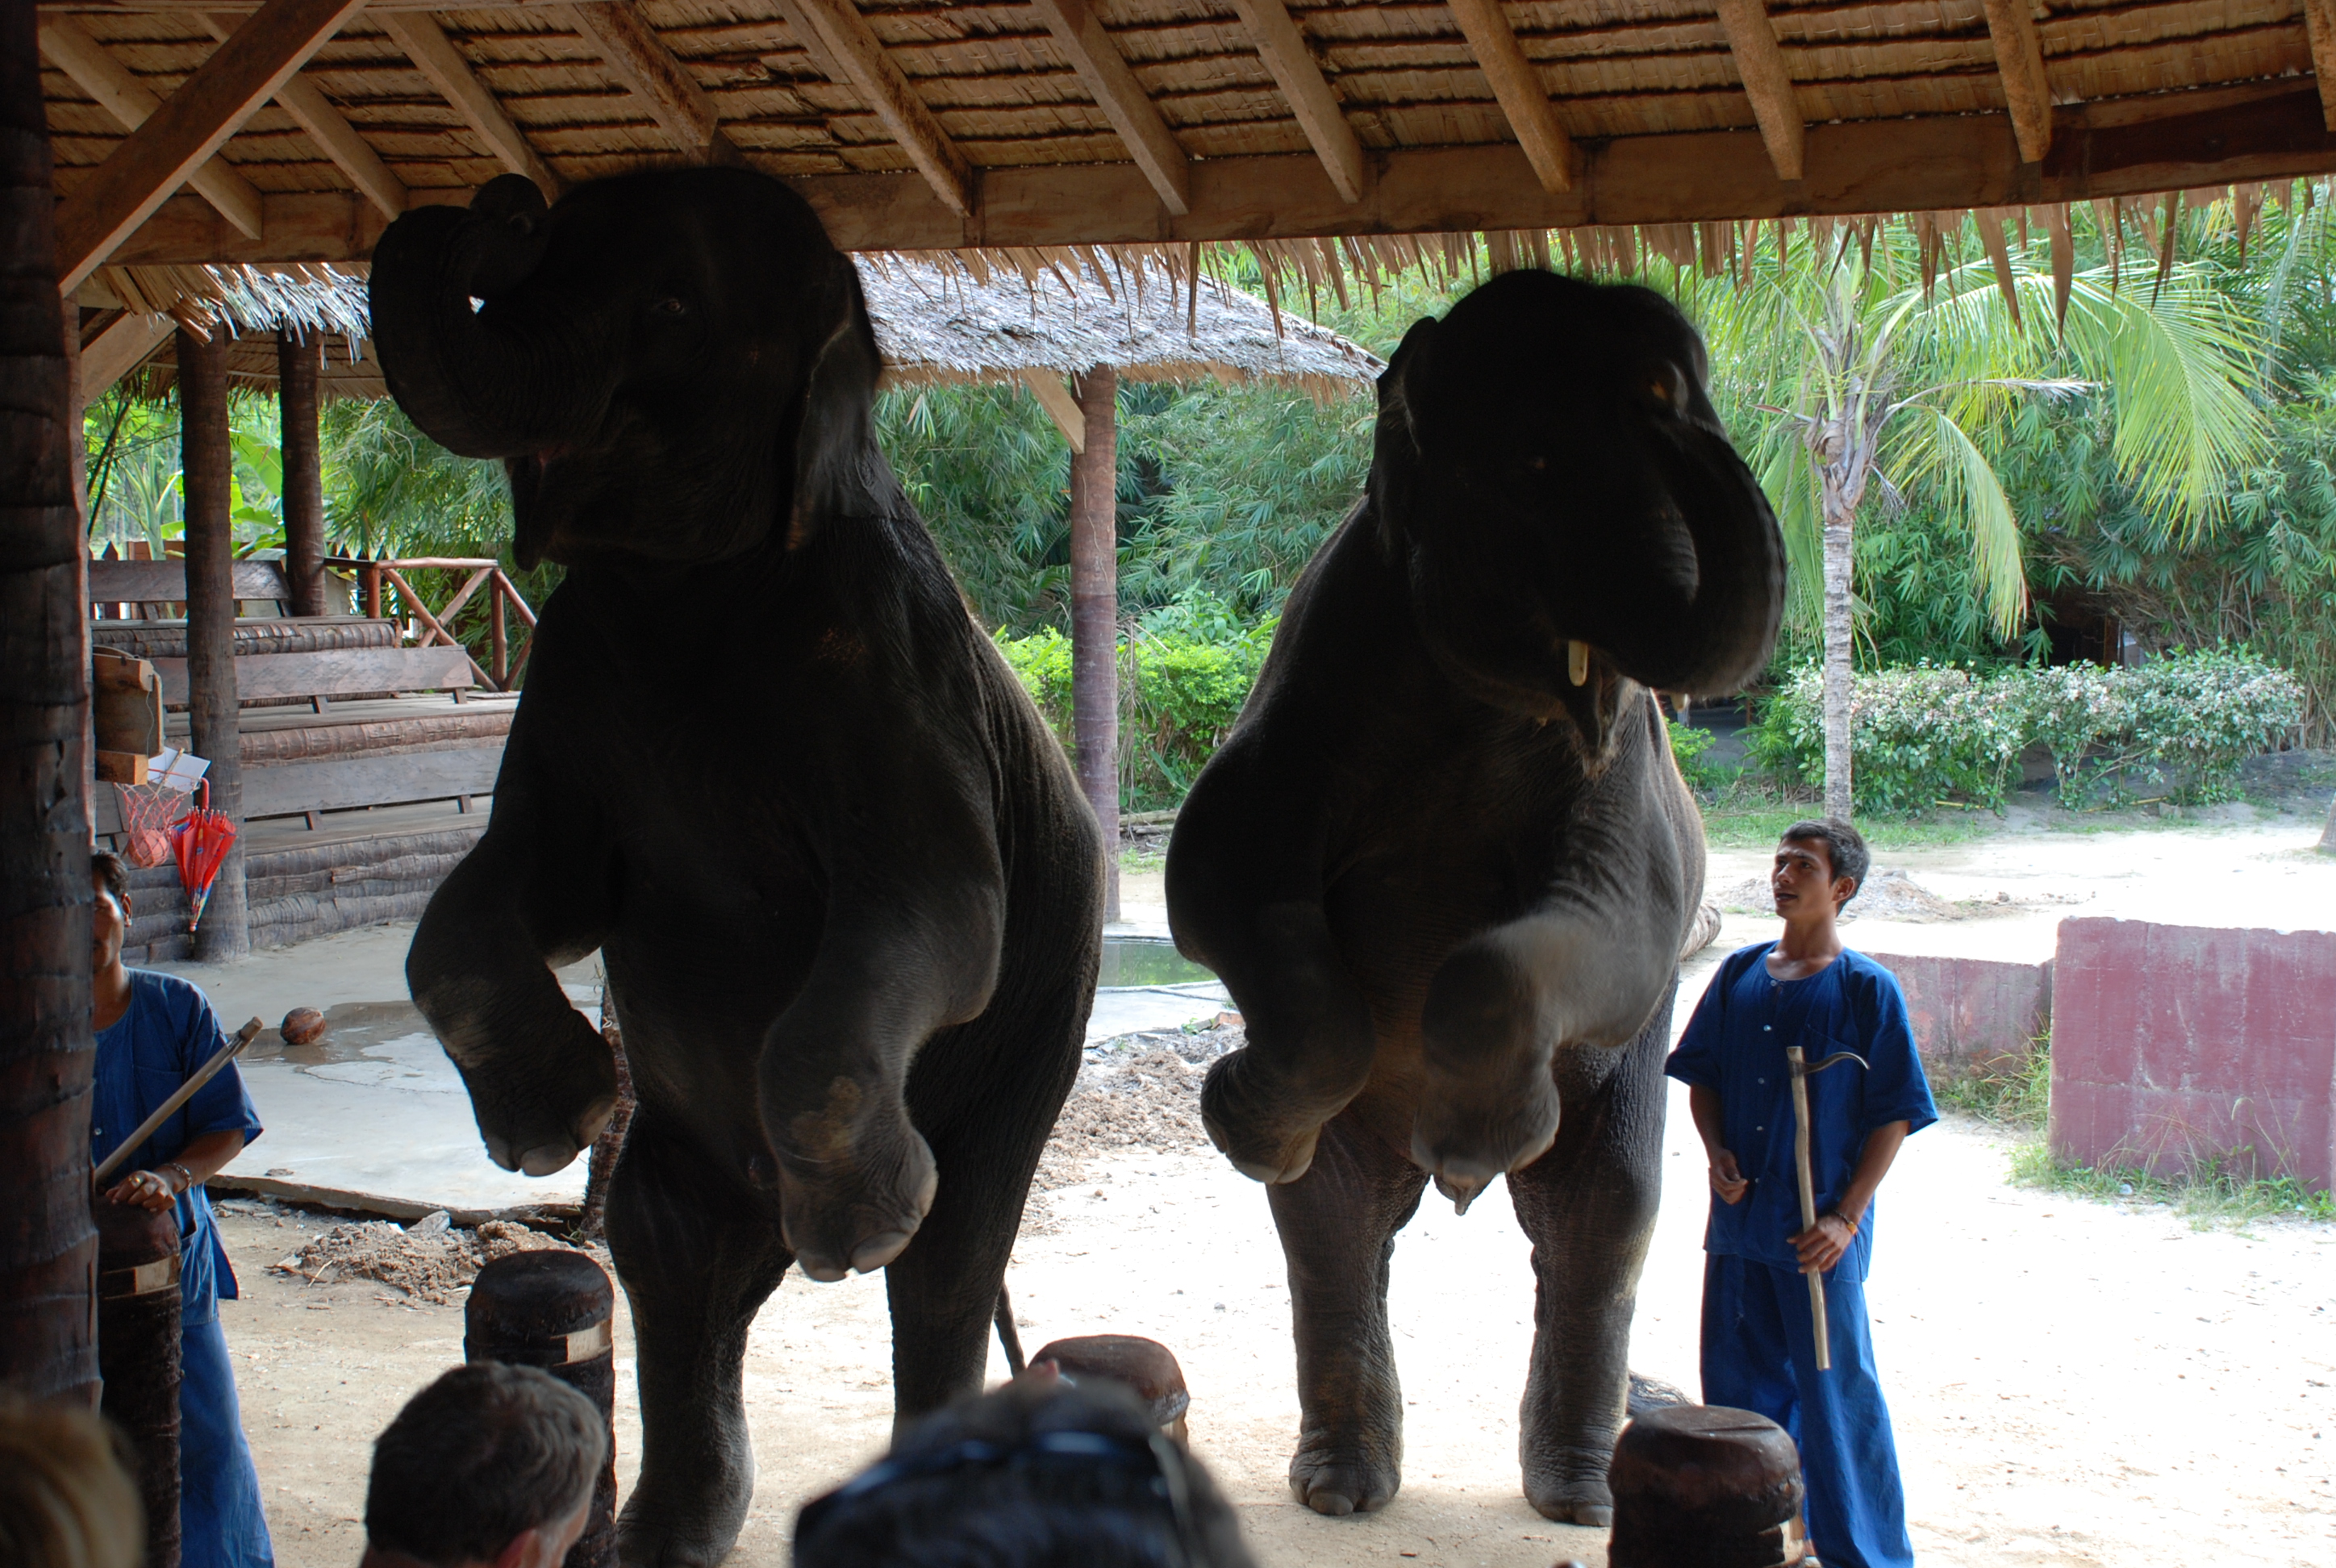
<point>165,582</point>
<point>340,672</point>
<point>459,774</point>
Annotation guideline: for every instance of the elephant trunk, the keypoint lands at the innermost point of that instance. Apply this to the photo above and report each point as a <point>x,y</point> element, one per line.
<point>1705,621</point>
<point>483,381</point>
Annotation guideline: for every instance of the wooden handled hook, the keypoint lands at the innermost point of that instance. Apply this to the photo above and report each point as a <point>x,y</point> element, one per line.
<point>1801,1070</point>
<point>186,1091</point>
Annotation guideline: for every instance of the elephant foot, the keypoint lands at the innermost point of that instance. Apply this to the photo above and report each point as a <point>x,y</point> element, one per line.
<point>539,1119</point>
<point>858,1207</point>
<point>650,1536</point>
<point>1267,1131</point>
<point>1571,1489</point>
<point>1339,1478</point>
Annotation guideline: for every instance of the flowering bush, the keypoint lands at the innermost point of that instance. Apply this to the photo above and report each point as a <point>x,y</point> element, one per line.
<point>2178,727</point>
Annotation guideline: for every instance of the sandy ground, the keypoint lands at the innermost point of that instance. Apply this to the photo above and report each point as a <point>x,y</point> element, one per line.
<point>2074,1383</point>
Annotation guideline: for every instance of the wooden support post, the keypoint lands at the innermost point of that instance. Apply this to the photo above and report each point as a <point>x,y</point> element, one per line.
<point>48,1249</point>
<point>1094,613</point>
<point>139,1305</point>
<point>205,461</point>
<point>369,586</point>
<point>555,1309</point>
<point>296,372</point>
<point>499,634</point>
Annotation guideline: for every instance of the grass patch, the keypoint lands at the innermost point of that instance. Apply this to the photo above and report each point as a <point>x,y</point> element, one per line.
<point>2207,1195</point>
<point>2007,1092</point>
<point>1737,822</point>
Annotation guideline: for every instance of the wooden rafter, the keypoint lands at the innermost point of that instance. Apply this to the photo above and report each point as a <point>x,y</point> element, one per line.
<point>2269,132</point>
<point>1121,99</point>
<point>1517,88</point>
<point>2320,29</point>
<point>1760,66</point>
<point>435,55</point>
<point>851,46</point>
<point>176,139</point>
<point>331,132</point>
<point>2020,59</point>
<point>119,349</point>
<point>118,91</point>
<point>637,56</point>
<point>1061,404</point>
<point>1283,49</point>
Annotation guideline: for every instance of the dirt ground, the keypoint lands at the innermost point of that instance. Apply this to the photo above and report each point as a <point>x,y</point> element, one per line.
<point>2073,1383</point>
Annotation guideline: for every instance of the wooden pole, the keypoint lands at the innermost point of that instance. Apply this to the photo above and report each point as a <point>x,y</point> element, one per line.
<point>500,634</point>
<point>48,1248</point>
<point>296,372</point>
<point>369,582</point>
<point>205,458</point>
<point>1094,613</point>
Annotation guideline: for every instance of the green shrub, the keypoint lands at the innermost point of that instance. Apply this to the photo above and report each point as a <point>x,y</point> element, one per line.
<point>1688,745</point>
<point>1925,735</point>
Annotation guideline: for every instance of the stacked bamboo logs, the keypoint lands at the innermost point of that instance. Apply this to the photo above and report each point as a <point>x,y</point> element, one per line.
<point>168,639</point>
<point>480,725</point>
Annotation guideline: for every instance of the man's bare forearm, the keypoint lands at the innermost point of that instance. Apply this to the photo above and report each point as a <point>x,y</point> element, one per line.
<point>1882,1146</point>
<point>1703,1104</point>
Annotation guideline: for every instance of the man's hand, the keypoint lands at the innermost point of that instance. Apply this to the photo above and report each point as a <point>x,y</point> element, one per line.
<point>144,1190</point>
<point>1820,1246</point>
<point>1726,1179</point>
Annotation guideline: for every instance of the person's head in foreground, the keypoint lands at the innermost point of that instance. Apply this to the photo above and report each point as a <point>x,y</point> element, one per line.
<point>1820,865</point>
<point>1039,1474</point>
<point>491,1467</point>
<point>66,1500</point>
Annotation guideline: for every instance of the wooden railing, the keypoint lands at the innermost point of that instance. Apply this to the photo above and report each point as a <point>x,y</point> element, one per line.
<point>484,572</point>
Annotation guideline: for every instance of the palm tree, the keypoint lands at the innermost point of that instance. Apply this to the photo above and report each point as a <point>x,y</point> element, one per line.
<point>1876,379</point>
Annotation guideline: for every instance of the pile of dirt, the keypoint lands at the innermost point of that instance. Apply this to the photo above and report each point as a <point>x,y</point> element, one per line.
<point>431,1260</point>
<point>1137,1091</point>
<point>1887,895</point>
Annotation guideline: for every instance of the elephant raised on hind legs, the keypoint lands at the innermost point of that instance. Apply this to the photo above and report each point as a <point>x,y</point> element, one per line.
<point>847,892</point>
<point>1446,865</point>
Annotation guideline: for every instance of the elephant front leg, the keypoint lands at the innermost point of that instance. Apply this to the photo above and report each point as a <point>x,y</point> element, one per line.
<point>1589,1208</point>
<point>1338,1225</point>
<point>697,1259</point>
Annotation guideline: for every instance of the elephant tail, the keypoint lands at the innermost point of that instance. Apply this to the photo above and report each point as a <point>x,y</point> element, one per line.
<point>1008,1340</point>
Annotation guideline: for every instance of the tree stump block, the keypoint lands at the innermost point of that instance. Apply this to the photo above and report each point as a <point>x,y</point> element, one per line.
<point>556,1310</point>
<point>1146,1366</point>
<point>139,1355</point>
<point>1706,1486</point>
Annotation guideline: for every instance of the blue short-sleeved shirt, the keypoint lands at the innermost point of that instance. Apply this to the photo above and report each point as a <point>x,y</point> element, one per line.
<point>1735,1043</point>
<point>167,1032</point>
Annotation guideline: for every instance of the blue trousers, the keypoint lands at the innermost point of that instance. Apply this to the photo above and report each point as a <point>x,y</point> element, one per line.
<point>220,1517</point>
<point>1759,1354</point>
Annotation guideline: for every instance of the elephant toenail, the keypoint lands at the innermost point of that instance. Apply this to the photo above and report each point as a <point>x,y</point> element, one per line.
<point>825,1273</point>
<point>879,1249</point>
<point>546,1158</point>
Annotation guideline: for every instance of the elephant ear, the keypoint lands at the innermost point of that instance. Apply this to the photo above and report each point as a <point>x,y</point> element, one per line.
<point>834,428</point>
<point>1396,452</point>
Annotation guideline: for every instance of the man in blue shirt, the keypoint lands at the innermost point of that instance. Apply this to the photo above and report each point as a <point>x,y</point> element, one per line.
<point>154,1030</point>
<point>1759,1349</point>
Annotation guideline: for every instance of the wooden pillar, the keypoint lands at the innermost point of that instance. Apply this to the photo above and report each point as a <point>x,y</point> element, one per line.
<point>205,459</point>
<point>499,634</point>
<point>303,472</point>
<point>48,1248</point>
<point>1094,613</point>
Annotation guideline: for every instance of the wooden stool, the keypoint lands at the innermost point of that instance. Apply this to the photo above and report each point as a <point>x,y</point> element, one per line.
<point>1705,1487</point>
<point>555,1310</point>
<point>138,1354</point>
<point>1146,1366</point>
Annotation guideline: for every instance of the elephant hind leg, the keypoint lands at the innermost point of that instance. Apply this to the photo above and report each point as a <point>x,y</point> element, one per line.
<point>697,1259</point>
<point>1588,1206</point>
<point>1337,1225</point>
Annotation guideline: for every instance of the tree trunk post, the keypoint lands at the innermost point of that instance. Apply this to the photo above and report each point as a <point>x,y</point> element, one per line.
<point>297,374</point>
<point>1838,633</point>
<point>206,460</point>
<point>48,1248</point>
<point>2328,833</point>
<point>499,634</point>
<point>1095,614</point>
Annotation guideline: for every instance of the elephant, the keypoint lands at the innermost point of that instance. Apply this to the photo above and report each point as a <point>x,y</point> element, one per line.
<point>1445,863</point>
<point>846,891</point>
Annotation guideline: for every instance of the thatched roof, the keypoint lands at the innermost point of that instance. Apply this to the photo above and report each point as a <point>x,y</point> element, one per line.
<point>936,321</point>
<point>1151,126</point>
<point>941,323</point>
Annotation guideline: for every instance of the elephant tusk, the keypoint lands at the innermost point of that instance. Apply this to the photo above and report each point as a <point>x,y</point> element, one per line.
<point>1577,662</point>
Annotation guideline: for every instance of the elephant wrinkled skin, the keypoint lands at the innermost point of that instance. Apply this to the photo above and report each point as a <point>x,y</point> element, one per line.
<point>847,893</point>
<point>1444,863</point>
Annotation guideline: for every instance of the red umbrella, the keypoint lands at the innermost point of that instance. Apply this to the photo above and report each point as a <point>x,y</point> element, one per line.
<point>202,839</point>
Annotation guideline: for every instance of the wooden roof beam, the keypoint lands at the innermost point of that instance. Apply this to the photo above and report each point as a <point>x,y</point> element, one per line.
<point>638,57</point>
<point>121,347</point>
<point>1061,404</point>
<point>1518,88</point>
<point>435,55</point>
<point>1283,49</point>
<point>836,31</point>
<point>1760,66</point>
<point>2020,58</point>
<point>119,93</point>
<point>326,127</point>
<point>181,136</point>
<point>1123,99</point>
<point>2320,28</point>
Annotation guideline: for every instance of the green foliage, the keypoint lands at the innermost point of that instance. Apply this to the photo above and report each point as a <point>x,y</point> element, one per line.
<point>2176,727</point>
<point>2210,1193</point>
<point>1688,745</point>
<point>2011,1091</point>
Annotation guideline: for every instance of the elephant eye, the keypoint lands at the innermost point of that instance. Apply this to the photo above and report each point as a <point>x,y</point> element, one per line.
<point>1537,463</point>
<point>1669,387</point>
<point>669,306</point>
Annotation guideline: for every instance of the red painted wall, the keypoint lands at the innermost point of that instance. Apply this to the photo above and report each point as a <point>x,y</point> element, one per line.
<point>1970,1013</point>
<point>2172,1045</point>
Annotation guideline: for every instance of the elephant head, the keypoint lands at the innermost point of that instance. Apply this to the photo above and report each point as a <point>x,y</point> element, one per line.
<point>1549,470</point>
<point>674,365</point>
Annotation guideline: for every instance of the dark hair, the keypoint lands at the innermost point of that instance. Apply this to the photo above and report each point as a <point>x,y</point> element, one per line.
<point>1846,850</point>
<point>484,1453</point>
<point>106,867</point>
<point>1041,1473</point>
